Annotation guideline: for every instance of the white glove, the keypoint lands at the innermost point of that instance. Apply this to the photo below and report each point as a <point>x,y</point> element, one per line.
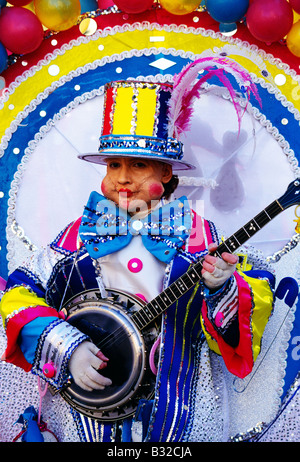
<point>216,271</point>
<point>84,363</point>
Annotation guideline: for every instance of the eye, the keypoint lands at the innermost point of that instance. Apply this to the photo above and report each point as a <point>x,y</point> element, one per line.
<point>140,164</point>
<point>113,164</point>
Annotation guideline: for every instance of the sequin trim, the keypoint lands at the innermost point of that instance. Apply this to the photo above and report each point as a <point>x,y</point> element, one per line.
<point>141,145</point>
<point>56,344</point>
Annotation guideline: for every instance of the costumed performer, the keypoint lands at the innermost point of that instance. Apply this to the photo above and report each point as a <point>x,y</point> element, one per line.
<point>133,239</point>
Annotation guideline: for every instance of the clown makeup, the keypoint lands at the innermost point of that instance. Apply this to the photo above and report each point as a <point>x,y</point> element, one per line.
<point>135,184</point>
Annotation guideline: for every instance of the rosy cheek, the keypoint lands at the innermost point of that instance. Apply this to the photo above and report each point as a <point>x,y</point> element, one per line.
<point>103,188</point>
<point>156,190</point>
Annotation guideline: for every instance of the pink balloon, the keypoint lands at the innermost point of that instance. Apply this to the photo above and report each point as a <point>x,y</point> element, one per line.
<point>134,6</point>
<point>269,20</point>
<point>295,4</point>
<point>103,4</point>
<point>20,30</point>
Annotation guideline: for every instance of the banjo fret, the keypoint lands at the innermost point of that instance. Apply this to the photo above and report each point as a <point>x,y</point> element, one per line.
<point>171,294</point>
<point>179,287</point>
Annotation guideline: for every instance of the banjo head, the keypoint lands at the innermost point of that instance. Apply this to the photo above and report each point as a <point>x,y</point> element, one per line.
<point>107,322</point>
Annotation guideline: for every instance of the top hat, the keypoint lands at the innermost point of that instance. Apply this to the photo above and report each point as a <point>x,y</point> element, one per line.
<point>135,124</point>
<point>145,119</point>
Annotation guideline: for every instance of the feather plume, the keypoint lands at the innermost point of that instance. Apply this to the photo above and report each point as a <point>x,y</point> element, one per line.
<point>188,87</point>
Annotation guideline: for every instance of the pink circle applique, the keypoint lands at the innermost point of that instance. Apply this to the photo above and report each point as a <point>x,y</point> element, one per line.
<point>219,319</point>
<point>141,296</point>
<point>135,265</point>
<point>49,370</point>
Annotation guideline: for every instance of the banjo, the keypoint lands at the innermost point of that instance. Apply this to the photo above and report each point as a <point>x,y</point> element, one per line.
<point>124,327</point>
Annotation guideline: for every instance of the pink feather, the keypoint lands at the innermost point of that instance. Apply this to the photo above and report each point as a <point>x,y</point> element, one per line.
<point>187,88</point>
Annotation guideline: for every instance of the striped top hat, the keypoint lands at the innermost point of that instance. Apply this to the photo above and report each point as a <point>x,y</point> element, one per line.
<point>145,119</point>
<point>135,124</point>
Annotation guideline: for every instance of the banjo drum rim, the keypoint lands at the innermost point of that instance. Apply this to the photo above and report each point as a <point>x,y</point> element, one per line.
<point>127,402</point>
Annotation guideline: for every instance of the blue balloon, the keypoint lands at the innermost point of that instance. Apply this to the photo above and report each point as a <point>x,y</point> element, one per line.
<point>88,5</point>
<point>228,28</point>
<point>227,11</point>
<point>2,3</point>
<point>3,58</point>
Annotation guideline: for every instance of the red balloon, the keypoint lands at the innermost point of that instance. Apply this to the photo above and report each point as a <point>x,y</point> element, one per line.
<point>269,20</point>
<point>134,6</point>
<point>19,2</point>
<point>20,30</point>
<point>295,4</point>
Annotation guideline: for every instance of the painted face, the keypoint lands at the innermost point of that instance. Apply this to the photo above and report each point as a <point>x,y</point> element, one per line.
<point>134,183</point>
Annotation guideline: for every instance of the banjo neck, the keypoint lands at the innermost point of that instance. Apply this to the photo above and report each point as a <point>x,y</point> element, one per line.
<point>192,276</point>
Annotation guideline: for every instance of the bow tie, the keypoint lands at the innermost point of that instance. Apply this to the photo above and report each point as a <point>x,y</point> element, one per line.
<point>105,228</point>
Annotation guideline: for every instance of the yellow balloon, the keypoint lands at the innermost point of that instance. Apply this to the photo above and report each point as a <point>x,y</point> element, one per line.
<point>293,39</point>
<point>180,7</point>
<point>57,15</point>
<point>296,16</point>
<point>30,6</point>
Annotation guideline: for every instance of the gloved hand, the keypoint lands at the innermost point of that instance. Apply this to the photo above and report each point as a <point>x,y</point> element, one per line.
<point>83,365</point>
<point>216,271</point>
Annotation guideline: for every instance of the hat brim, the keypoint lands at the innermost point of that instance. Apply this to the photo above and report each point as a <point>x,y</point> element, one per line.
<point>97,158</point>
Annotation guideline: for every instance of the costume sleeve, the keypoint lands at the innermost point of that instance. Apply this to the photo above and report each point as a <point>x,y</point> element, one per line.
<point>23,301</point>
<point>234,318</point>
<point>36,334</point>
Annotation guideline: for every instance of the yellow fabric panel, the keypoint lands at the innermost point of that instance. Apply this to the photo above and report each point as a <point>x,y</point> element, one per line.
<point>213,345</point>
<point>146,112</point>
<point>123,117</point>
<point>262,309</point>
<point>17,298</point>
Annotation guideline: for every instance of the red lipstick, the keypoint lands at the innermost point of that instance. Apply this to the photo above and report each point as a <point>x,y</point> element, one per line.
<point>125,192</point>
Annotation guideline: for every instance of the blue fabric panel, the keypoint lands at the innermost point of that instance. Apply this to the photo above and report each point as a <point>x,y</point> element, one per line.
<point>29,336</point>
<point>176,359</point>
<point>19,277</point>
<point>161,129</point>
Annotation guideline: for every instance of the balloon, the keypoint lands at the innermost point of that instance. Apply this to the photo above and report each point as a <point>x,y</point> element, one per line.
<point>296,16</point>
<point>20,30</point>
<point>270,20</point>
<point>3,58</point>
<point>104,4</point>
<point>19,2</point>
<point>88,5</point>
<point>2,3</point>
<point>180,7</point>
<point>228,28</point>
<point>227,11</point>
<point>293,39</point>
<point>88,26</point>
<point>295,4</point>
<point>133,6</point>
<point>57,15</point>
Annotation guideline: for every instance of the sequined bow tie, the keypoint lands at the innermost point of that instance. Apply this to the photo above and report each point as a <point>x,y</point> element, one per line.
<point>105,228</point>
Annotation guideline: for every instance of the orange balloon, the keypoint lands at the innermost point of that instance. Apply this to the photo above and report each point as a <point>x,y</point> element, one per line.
<point>179,7</point>
<point>57,15</point>
<point>293,39</point>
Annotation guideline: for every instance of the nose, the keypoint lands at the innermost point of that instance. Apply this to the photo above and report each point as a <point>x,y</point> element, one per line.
<point>124,176</point>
